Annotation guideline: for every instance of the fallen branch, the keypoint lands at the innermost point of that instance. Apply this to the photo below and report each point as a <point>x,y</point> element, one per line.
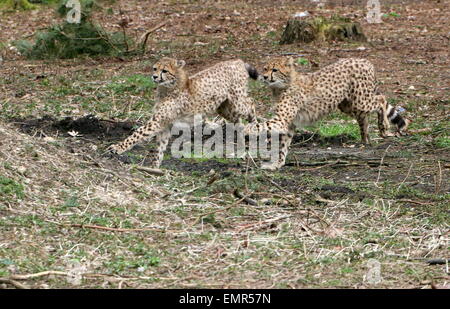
<point>438,261</point>
<point>37,275</point>
<point>215,211</point>
<point>349,50</point>
<point>144,37</point>
<point>320,163</point>
<point>275,184</point>
<point>112,229</point>
<point>245,198</point>
<point>293,54</point>
<point>260,224</point>
<point>414,202</point>
<point>14,283</point>
<point>438,179</point>
<point>423,130</point>
<point>151,171</point>
<point>339,163</point>
<point>381,164</point>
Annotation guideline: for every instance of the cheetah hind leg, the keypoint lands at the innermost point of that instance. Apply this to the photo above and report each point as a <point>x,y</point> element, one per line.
<point>245,109</point>
<point>227,111</point>
<point>363,121</point>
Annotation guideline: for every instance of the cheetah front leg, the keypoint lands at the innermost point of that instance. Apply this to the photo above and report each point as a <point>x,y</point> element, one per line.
<point>245,109</point>
<point>159,122</point>
<point>148,131</point>
<point>274,130</point>
<point>280,159</point>
<point>285,140</point>
<point>383,124</point>
<point>162,140</point>
<point>282,127</point>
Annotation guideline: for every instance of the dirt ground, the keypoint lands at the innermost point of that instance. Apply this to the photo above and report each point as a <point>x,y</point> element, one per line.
<point>337,208</point>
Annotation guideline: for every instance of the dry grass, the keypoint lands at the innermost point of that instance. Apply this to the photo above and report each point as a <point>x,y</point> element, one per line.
<point>161,234</point>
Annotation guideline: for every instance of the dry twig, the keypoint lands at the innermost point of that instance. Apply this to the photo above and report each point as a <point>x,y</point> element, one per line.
<point>113,229</point>
<point>151,171</point>
<point>14,283</point>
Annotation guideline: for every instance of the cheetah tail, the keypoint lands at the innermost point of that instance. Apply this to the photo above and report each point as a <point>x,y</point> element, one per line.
<point>252,72</point>
<point>395,117</point>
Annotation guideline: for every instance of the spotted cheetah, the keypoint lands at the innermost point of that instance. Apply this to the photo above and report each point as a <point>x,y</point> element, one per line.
<point>348,85</point>
<point>221,89</point>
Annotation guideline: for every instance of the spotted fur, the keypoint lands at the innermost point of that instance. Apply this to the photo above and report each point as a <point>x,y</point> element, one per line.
<point>221,89</point>
<point>348,85</point>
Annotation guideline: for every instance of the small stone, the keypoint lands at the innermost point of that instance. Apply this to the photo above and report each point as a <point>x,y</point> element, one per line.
<point>301,14</point>
<point>141,269</point>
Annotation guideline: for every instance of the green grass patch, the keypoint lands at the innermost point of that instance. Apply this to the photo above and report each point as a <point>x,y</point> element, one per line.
<point>10,188</point>
<point>442,142</point>
<point>302,61</point>
<point>391,14</point>
<point>137,84</point>
<point>329,130</point>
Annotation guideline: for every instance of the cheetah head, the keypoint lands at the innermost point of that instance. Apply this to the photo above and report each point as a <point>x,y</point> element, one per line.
<point>166,71</point>
<point>277,72</point>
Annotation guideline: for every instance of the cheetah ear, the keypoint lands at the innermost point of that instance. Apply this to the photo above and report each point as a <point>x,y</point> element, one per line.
<point>181,63</point>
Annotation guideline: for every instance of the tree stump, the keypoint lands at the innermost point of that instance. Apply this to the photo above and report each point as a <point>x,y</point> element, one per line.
<point>322,29</point>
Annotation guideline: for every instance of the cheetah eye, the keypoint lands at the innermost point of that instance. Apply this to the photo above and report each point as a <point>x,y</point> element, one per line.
<point>154,69</point>
<point>274,70</point>
<point>165,71</point>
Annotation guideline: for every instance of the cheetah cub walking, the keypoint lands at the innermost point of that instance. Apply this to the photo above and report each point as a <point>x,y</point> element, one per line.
<point>348,85</point>
<point>221,89</point>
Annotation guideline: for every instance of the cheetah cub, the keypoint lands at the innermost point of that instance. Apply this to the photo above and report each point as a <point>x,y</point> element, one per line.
<point>219,90</point>
<point>276,74</point>
<point>348,85</point>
